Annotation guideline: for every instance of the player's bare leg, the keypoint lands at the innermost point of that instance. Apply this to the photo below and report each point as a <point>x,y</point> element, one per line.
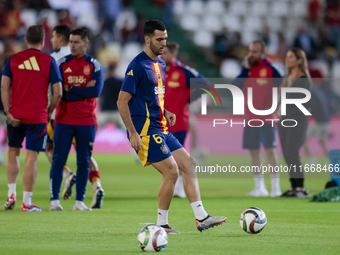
<point>12,169</point>
<point>169,170</point>
<point>29,178</point>
<point>273,160</point>
<point>3,148</point>
<point>94,178</point>
<point>188,164</point>
<point>260,188</point>
<point>49,152</point>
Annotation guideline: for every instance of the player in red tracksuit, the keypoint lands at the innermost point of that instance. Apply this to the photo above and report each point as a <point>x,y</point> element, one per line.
<point>260,74</point>
<point>25,105</point>
<point>178,86</point>
<point>76,116</point>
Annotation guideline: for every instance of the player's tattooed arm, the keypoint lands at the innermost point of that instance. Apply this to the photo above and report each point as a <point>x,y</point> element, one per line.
<point>170,117</point>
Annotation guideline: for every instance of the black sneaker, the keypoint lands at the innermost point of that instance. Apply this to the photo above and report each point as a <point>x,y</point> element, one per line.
<point>288,193</point>
<point>301,194</point>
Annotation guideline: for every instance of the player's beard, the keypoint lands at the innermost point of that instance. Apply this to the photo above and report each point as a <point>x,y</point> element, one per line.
<point>253,61</point>
<point>154,49</point>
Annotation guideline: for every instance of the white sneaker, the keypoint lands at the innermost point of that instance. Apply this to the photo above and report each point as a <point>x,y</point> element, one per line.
<point>275,193</point>
<point>312,161</point>
<point>55,205</point>
<point>80,206</point>
<point>56,208</point>
<point>179,189</point>
<point>98,197</point>
<point>258,193</point>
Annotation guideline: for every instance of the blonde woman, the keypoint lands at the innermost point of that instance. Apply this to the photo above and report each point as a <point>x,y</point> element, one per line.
<point>292,138</point>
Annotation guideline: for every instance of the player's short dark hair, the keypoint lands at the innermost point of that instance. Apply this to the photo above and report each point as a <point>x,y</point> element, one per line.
<point>64,31</point>
<point>152,25</point>
<point>172,46</point>
<point>35,34</point>
<point>262,43</point>
<point>84,34</point>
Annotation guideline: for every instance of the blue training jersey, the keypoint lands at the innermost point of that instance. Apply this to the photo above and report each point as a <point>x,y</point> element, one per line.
<point>145,80</point>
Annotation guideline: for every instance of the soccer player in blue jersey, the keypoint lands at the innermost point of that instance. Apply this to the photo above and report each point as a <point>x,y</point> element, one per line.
<point>141,105</point>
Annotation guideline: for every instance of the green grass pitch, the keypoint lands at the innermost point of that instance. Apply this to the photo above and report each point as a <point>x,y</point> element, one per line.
<point>294,226</point>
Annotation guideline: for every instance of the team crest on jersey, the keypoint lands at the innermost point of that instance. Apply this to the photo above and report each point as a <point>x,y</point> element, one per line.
<point>263,73</point>
<point>159,77</point>
<point>175,76</point>
<point>164,149</point>
<point>87,70</point>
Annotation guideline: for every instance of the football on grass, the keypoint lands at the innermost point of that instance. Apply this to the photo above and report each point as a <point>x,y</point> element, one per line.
<point>152,238</point>
<point>253,220</point>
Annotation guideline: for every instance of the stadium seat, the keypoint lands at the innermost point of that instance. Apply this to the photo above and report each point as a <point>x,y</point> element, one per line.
<point>195,7</point>
<point>212,23</point>
<point>131,50</point>
<point>51,15</point>
<point>248,37</point>
<point>294,23</point>
<point>279,9</point>
<point>178,7</point>
<point>190,22</point>
<point>259,8</point>
<point>274,24</point>
<point>82,7</point>
<point>238,7</point>
<point>29,17</point>
<point>215,7</point>
<point>299,9</point>
<point>90,21</point>
<point>252,23</point>
<point>59,4</point>
<point>233,23</point>
<point>322,66</point>
<point>335,70</point>
<point>230,68</point>
<point>290,35</point>
<point>203,38</point>
<point>126,17</point>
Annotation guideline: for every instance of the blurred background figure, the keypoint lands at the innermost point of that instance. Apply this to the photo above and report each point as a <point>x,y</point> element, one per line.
<point>259,74</point>
<point>108,100</point>
<point>293,138</point>
<point>320,109</point>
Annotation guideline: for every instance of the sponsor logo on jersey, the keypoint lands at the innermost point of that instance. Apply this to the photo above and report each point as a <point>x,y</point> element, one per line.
<point>76,80</point>
<point>159,91</point>
<point>130,73</point>
<point>68,70</point>
<point>30,64</point>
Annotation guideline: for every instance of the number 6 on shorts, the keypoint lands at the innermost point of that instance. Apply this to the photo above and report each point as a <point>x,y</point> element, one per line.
<point>157,139</point>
